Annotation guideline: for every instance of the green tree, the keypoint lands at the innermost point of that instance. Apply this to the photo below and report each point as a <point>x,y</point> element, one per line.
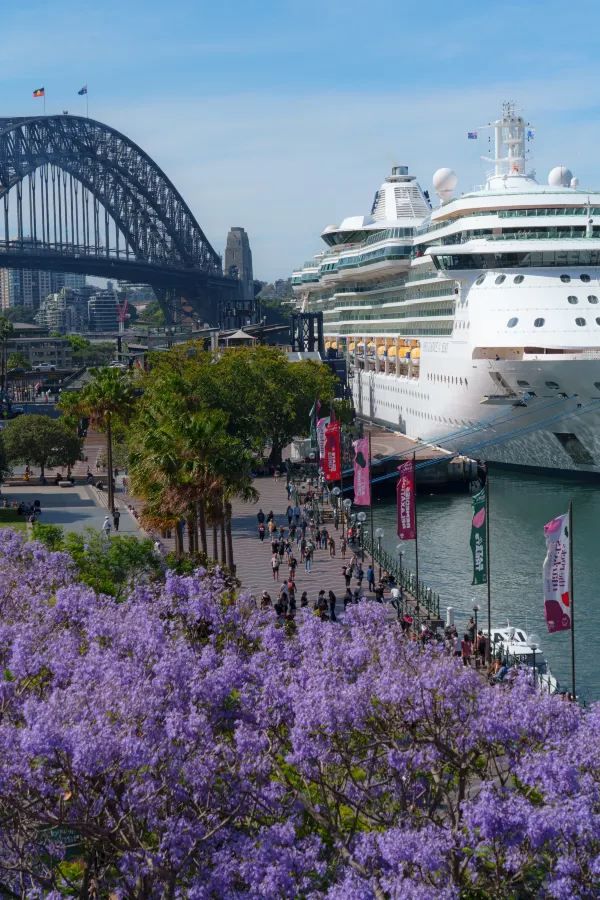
<point>151,315</point>
<point>42,441</point>
<point>17,360</point>
<point>22,314</point>
<point>108,399</point>
<point>112,568</point>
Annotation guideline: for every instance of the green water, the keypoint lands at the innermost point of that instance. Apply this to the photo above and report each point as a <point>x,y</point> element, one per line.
<point>519,507</point>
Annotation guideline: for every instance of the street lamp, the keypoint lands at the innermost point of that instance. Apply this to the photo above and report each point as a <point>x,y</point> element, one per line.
<point>362,518</point>
<point>534,643</point>
<point>400,552</point>
<point>347,504</point>
<point>476,609</point>
<point>379,532</point>
<point>336,502</point>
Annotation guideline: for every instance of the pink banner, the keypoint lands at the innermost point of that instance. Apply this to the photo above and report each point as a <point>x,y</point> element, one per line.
<point>556,572</point>
<point>332,456</point>
<point>405,497</point>
<point>362,472</point>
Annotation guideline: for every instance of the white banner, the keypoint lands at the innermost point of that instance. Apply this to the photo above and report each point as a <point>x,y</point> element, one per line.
<point>321,425</point>
<point>556,572</point>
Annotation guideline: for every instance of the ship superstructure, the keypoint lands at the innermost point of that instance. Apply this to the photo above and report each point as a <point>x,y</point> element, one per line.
<point>476,323</point>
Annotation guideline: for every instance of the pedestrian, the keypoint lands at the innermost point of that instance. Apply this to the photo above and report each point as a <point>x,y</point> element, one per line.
<point>269,515</point>
<point>272,527</point>
<point>379,591</point>
<point>302,548</point>
<point>332,602</point>
<point>290,514</point>
<point>360,575</point>
<point>260,517</point>
<point>292,532</point>
<point>261,531</point>
<point>471,629</point>
<point>296,514</point>
<point>347,598</point>
<point>304,599</point>
<point>308,556</point>
<point>466,649</point>
<point>331,546</point>
<point>343,546</point>
<point>481,645</point>
<point>275,566</point>
<point>116,519</point>
<point>371,578</point>
<point>293,566</point>
<point>106,526</point>
<point>347,573</point>
<point>265,601</point>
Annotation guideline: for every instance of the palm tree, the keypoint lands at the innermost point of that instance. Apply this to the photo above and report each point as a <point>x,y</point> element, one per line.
<point>108,397</point>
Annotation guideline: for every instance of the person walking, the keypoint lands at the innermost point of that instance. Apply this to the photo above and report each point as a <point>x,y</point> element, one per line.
<point>106,526</point>
<point>331,546</point>
<point>371,578</point>
<point>275,565</point>
<point>343,547</point>
<point>308,557</point>
<point>360,575</point>
<point>347,598</point>
<point>261,531</point>
<point>260,517</point>
<point>347,573</point>
<point>466,649</point>
<point>116,519</point>
<point>304,599</point>
<point>332,602</point>
<point>290,514</point>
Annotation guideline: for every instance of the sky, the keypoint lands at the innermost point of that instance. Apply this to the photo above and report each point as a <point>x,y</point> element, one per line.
<point>284,117</point>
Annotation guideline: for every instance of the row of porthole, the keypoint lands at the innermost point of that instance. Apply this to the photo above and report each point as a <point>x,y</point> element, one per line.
<point>538,323</point>
<point>518,279</point>
<point>551,384</point>
<point>450,379</point>
<point>573,299</point>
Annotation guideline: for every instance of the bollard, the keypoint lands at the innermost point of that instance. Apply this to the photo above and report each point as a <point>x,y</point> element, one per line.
<point>449,616</point>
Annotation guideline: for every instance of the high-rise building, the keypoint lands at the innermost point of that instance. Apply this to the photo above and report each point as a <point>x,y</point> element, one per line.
<point>102,311</point>
<point>28,287</point>
<point>66,310</point>
<point>238,261</point>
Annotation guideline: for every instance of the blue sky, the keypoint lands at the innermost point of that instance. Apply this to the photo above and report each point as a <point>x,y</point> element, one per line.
<point>284,117</point>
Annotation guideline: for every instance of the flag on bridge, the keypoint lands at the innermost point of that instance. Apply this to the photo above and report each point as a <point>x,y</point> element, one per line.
<point>39,92</point>
<point>83,90</point>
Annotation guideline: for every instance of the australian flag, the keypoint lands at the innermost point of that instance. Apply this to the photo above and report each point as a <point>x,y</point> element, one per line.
<point>83,90</point>
<point>472,135</point>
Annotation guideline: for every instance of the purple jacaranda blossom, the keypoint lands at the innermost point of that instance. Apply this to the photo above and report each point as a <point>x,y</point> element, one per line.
<point>181,743</point>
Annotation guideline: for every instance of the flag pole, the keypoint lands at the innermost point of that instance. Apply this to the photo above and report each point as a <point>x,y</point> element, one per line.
<point>371,503</point>
<point>488,652</point>
<point>572,599</point>
<point>416,533</point>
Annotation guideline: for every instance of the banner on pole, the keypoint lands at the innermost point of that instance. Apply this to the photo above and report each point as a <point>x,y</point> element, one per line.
<point>332,453</point>
<point>362,472</point>
<point>405,498</point>
<point>556,572</point>
<point>321,425</point>
<point>478,538</point>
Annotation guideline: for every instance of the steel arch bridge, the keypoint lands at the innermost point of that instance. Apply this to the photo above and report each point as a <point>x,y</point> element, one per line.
<point>78,196</point>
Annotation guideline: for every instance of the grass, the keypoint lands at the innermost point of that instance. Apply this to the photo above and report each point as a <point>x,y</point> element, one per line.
<point>10,519</point>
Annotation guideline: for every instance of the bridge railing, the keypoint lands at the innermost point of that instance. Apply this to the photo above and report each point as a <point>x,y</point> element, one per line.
<point>424,596</point>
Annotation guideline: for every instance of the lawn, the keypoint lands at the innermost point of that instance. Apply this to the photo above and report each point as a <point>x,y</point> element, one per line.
<point>10,519</point>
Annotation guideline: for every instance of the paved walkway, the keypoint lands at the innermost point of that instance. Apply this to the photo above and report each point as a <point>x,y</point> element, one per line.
<point>74,508</point>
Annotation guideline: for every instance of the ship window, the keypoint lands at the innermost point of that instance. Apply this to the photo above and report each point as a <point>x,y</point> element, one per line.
<point>597,385</point>
<point>592,298</point>
<point>500,279</point>
<point>522,383</point>
<point>512,322</point>
<point>572,298</point>
<point>565,278</point>
<point>518,279</point>
<point>598,320</point>
<point>539,322</point>
<point>585,278</point>
<point>579,321</point>
<point>480,280</point>
<point>551,384</point>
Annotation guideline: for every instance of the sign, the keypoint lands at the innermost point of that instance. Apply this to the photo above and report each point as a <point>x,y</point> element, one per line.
<point>332,452</point>
<point>556,573</point>
<point>405,498</point>
<point>321,424</point>
<point>478,538</point>
<point>362,472</point>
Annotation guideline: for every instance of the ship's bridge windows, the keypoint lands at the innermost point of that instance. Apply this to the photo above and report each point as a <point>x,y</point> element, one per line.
<point>565,278</point>
<point>480,280</point>
<point>552,384</point>
<point>573,299</point>
<point>518,279</point>
<point>592,298</point>
<point>512,322</point>
<point>539,323</point>
<point>500,279</point>
<point>579,321</point>
<point>585,278</point>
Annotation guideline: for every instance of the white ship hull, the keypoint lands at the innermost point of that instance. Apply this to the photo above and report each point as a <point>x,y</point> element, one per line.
<point>460,405</point>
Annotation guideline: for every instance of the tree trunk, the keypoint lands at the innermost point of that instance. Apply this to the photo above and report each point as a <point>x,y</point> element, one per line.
<point>230,562</point>
<point>191,527</point>
<point>201,516</point>
<point>215,552</point>
<point>178,541</point>
<point>275,455</point>
<point>109,465</point>
<point>223,547</point>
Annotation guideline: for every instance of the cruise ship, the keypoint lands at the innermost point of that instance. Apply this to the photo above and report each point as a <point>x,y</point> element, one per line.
<point>472,321</point>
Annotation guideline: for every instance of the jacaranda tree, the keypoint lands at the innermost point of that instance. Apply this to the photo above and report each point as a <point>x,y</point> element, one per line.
<point>182,744</point>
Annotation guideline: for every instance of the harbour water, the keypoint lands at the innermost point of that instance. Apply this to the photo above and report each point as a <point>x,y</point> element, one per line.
<point>520,505</point>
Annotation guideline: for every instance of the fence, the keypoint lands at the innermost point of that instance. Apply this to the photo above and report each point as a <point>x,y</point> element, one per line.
<point>423,595</point>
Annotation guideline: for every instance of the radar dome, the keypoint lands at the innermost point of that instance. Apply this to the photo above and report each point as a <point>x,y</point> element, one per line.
<point>574,183</point>
<point>559,176</point>
<point>444,182</point>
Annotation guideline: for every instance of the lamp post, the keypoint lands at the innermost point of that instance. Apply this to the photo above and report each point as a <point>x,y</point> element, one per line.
<point>475,610</point>
<point>379,532</point>
<point>336,512</point>
<point>347,504</point>
<point>533,643</point>
<point>400,552</point>
<point>362,518</point>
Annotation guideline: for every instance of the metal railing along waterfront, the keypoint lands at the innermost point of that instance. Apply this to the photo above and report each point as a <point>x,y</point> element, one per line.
<point>406,580</point>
